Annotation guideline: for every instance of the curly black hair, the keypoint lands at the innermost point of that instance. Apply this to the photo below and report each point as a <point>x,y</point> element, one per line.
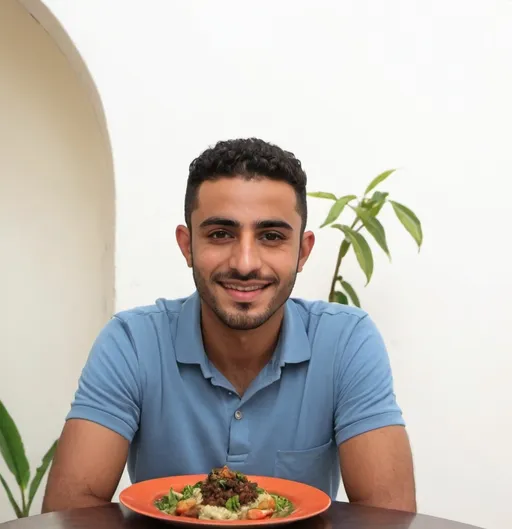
<point>246,158</point>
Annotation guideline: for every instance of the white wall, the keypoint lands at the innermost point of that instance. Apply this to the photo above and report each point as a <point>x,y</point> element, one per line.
<point>56,233</point>
<point>353,88</point>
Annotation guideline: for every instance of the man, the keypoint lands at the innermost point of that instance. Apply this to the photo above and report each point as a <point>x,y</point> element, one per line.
<point>238,374</point>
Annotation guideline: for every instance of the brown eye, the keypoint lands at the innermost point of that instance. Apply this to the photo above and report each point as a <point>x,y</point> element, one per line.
<point>221,234</point>
<point>273,236</point>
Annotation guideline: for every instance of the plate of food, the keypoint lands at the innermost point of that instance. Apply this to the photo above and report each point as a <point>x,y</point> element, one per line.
<point>225,497</point>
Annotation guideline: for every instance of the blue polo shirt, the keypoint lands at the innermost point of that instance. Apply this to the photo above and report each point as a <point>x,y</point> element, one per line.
<point>148,379</point>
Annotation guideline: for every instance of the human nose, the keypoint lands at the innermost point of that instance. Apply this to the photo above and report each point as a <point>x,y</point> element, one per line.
<point>245,256</point>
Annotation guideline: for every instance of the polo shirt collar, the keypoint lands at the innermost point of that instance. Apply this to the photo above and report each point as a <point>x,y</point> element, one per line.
<point>293,346</point>
<point>189,339</point>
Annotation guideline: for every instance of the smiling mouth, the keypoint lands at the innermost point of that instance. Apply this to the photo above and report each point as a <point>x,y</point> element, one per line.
<point>244,288</point>
<point>244,293</point>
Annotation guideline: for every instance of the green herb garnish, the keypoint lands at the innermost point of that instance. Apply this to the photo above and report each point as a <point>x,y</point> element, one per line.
<point>284,506</point>
<point>233,504</point>
<point>188,492</point>
<point>168,503</point>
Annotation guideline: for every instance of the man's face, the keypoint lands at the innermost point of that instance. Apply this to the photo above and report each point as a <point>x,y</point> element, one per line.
<point>245,248</point>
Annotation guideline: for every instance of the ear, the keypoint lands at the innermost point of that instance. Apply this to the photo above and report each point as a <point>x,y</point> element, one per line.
<point>306,245</point>
<point>183,240</point>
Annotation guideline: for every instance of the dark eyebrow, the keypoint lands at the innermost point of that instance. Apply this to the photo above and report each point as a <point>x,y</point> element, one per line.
<point>259,225</point>
<point>272,223</point>
<point>219,221</point>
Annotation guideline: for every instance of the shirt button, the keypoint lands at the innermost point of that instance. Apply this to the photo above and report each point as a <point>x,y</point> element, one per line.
<point>238,415</point>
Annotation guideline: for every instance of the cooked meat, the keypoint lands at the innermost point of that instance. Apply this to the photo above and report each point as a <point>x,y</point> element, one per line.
<point>222,484</point>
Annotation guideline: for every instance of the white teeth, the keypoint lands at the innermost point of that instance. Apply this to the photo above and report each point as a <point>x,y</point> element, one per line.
<point>243,289</point>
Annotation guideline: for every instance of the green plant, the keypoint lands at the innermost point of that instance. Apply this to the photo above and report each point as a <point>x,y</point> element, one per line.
<point>13,452</point>
<point>366,210</point>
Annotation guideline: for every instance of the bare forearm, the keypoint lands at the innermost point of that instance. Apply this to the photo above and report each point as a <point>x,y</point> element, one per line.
<point>407,504</point>
<point>62,502</point>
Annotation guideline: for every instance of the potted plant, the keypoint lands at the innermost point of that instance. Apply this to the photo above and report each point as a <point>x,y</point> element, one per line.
<point>13,452</point>
<point>366,210</point>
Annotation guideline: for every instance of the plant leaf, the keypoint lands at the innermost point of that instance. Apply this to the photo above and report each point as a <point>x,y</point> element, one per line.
<point>363,251</point>
<point>351,293</point>
<point>378,179</point>
<point>321,194</point>
<point>12,449</point>
<point>409,221</point>
<point>339,297</point>
<point>40,472</point>
<point>15,506</point>
<point>375,229</point>
<point>377,201</point>
<point>379,196</point>
<point>337,208</point>
<point>374,204</point>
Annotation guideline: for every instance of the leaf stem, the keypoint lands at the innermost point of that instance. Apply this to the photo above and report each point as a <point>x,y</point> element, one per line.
<point>344,247</point>
<point>24,509</point>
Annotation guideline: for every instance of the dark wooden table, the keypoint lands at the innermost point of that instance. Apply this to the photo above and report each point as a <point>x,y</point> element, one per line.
<point>339,516</point>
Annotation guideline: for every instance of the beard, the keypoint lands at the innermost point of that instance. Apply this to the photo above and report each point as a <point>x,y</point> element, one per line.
<point>239,317</point>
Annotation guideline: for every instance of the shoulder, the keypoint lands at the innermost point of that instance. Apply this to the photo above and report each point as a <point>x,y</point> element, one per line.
<point>336,329</point>
<point>333,317</point>
<point>169,308</point>
<point>321,307</point>
<point>144,323</point>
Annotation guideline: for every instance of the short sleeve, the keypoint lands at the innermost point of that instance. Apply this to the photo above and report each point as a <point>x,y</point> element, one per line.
<point>364,394</point>
<point>109,390</point>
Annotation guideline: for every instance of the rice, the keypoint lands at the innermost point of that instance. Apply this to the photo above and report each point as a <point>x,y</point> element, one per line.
<point>211,512</point>
<point>259,499</point>
<point>198,496</point>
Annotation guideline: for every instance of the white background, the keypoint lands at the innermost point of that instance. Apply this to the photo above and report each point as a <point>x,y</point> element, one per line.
<point>352,88</point>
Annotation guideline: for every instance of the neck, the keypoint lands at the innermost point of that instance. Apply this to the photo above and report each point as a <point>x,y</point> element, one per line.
<point>239,355</point>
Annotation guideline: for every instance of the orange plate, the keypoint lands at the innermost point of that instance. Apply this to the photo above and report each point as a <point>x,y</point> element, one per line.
<point>308,501</point>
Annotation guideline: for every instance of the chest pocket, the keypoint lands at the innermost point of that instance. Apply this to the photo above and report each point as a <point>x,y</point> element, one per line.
<point>318,466</point>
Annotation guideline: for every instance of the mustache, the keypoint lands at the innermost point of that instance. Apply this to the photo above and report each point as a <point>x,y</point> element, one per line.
<point>234,275</point>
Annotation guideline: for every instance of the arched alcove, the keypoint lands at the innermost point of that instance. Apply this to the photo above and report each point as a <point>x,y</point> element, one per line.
<point>57,216</point>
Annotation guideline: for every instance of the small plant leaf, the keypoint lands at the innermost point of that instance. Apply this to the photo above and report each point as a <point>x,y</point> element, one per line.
<point>351,293</point>
<point>337,208</point>
<point>378,179</point>
<point>321,194</point>
<point>409,221</point>
<point>379,196</point>
<point>12,449</point>
<point>376,202</point>
<point>375,229</point>
<point>15,506</point>
<point>40,472</point>
<point>362,249</point>
<point>340,298</point>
